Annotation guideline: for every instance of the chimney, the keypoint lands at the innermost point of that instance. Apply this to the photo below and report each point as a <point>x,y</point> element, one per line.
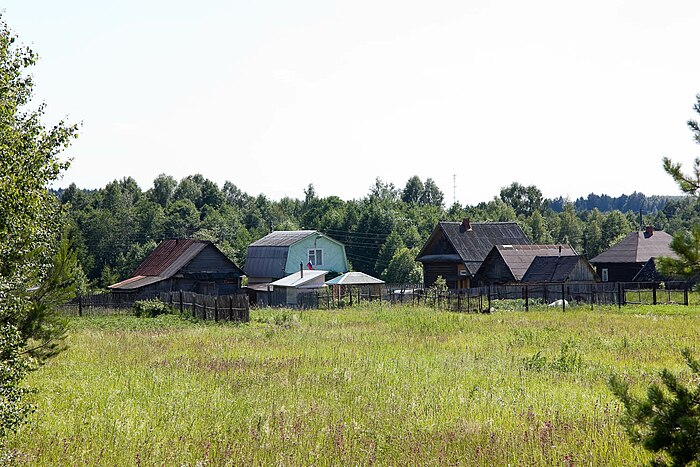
<point>560,251</point>
<point>649,231</point>
<point>466,225</point>
<point>301,269</point>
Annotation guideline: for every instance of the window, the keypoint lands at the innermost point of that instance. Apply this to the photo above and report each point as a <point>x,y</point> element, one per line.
<point>604,274</point>
<point>316,257</point>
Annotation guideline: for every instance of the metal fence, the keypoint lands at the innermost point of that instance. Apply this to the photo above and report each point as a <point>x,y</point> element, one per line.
<point>513,296</point>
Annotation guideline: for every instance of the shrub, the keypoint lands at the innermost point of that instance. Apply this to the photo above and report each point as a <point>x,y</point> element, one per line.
<point>668,421</point>
<point>150,308</point>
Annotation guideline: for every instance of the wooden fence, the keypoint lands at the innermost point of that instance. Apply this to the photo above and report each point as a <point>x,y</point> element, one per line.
<point>207,307</point>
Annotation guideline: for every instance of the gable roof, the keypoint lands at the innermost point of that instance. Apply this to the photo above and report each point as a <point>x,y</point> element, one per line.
<point>518,258</point>
<point>354,278</point>
<point>165,261</point>
<point>638,247</point>
<point>474,243</point>
<point>552,268</point>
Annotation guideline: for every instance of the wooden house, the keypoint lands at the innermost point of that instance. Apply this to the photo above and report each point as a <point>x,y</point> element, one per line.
<point>508,263</point>
<point>183,264</point>
<point>281,253</point>
<point>456,250</point>
<point>624,260</point>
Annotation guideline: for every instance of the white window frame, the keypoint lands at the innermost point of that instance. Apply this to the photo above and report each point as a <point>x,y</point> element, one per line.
<point>316,256</point>
<point>604,275</point>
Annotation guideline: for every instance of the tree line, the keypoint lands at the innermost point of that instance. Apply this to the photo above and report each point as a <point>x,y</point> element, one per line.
<point>115,227</point>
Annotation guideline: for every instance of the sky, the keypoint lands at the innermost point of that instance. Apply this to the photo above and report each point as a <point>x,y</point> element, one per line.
<point>573,97</point>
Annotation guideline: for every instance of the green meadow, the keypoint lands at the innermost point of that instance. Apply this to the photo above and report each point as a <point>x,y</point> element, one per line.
<point>358,386</point>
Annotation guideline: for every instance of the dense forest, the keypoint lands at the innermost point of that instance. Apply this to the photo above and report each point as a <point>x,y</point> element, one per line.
<point>115,227</point>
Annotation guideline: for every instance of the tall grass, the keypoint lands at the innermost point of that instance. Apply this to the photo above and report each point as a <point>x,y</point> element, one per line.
<point>367,385</point>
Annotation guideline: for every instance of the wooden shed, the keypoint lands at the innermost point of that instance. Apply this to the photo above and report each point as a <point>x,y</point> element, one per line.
<point>183,264</point>
<point>508,263</point>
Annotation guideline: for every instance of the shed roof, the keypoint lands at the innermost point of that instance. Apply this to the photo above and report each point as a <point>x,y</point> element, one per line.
<point>354,278</point>
<point>474,243</point>
<point>299,279</point>
<point>551,268</point>
<point>638,247</point>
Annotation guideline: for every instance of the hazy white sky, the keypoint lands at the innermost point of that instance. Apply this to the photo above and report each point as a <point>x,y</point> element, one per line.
<point>574,97</point>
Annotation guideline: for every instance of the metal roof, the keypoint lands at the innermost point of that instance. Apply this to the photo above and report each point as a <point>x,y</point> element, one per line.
<point>170,256</point>
<point>638,247</point>
<point>551,268</point>
<point>518,258</point>
<point>473,244</point>
<point>266,261</point>
<point>354,278</point>
<point>299,279</point>
<point>283,238</point>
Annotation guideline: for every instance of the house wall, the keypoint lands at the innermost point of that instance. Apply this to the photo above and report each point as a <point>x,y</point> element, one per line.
<point>619,272</point>
<point>448,271</point>
<point>334,258</point>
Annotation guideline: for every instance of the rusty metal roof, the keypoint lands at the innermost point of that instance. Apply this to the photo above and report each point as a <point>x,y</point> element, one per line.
<point>170,256</point>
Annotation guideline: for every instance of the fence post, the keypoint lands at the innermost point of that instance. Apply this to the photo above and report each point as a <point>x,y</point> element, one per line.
<point>527,301</point>
<point>216,309</point>
<point>488,290</point>
<point>619,295</point>
<point>80,306</point>
<point>653,293</point>
<point>182,307</point>
<point>685,294</point>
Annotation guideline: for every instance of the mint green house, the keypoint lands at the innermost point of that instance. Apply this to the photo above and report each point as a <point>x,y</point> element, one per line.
<point>282,253</point>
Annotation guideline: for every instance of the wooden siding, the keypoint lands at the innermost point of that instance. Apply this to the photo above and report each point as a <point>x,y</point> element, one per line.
<point>210,260</point>
<point>495,271</point>
<point>619,272</point>
<point>448,271</point>
<point>582,272</point>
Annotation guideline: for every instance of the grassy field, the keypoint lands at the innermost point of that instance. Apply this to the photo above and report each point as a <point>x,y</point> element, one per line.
<point>357,386</point>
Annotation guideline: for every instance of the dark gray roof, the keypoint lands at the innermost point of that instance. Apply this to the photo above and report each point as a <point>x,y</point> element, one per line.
<point>649,273</point>
<point>474,244</point>
<point>637,247</point>
<point>518,258</point>
<point>551,268</point>
<point>283,238</point>
<point>266,261</point>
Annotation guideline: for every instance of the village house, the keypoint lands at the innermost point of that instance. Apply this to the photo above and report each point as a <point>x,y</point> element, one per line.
<point>183,264</point>
<point>624,260</point>
<point>456,250</point>
<point>282,253</point>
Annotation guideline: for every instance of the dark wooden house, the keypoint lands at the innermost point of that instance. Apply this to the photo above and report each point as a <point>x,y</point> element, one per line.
<point>456,250</point>
<point>624,260</point>
<point>183,264</point>
<point>508,263</point>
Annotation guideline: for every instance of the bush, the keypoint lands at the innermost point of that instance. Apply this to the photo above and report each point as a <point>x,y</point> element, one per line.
<point>668,421</point>
<point>151,308</point>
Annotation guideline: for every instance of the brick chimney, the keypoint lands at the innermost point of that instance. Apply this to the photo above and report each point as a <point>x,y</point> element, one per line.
<point>466,225</point>
<point>648,231</point>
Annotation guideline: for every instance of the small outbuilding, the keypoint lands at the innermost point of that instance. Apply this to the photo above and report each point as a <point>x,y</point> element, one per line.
<point>285,291</point>
<point>363,283</point>
<point>508,263</point>
<point>558,269</point>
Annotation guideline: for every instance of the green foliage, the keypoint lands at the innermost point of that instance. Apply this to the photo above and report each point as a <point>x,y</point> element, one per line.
<point>403,268</point>
<point>13,368</point>
<point>687,247</point>
<point>151,308</point>
<point>668,420</point>
<point>525,201</point>
<point>30,280</point>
